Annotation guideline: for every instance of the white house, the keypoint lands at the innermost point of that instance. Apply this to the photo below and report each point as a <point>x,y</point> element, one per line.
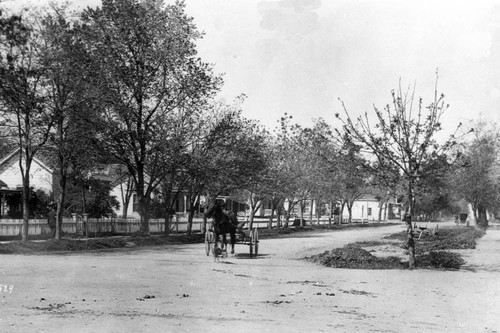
<point>118,190</point>
<point>365,209</point>
<point>41,176</point>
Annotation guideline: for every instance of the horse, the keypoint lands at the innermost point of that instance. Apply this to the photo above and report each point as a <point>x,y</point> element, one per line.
<point>224,222</point>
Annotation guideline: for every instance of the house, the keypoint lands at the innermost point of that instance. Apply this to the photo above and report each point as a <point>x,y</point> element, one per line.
<point>41,175</point>
<point>364,209</point>
<point>119,190</point>
<point>41,178</point>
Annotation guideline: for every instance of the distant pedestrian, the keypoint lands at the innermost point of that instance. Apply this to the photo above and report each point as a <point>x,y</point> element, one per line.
<point>51,220</point>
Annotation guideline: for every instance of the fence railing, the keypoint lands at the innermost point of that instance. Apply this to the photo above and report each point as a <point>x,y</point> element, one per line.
<point>12,227</point>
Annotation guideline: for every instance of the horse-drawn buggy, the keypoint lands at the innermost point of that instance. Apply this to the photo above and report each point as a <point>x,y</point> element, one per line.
<point>226,222</point>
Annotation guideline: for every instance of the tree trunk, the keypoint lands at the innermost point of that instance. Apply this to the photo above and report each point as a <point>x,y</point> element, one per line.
<point>168,223</point>
<point>279,215</point>
<point>349,211</point>
<point>330,216</point>
<point>410,243</point>
<point>26,210</point>
<point>60,206</point>
<point>317,213</point>
<point>271,217</point>
<point>192,207</point>
<point>287,218</point>
<point>311,212</point>
<point>302,206</point>
<point>204,225</point>
<point>380,208</point>
<point>341,212</point>
<point>190,221</point>
<point>126,196</point>
<point>189,226</point>
<point>144,203</point>
<point>84,199</point>
<point>25,173</point>
<point>409,227</point>
<point>253,209</point>
<point>482,219</point>
<point>143,195</point>
<point>475,208</point>
<point>168,213</point>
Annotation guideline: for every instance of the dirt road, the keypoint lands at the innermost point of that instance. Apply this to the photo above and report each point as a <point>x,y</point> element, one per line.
<point>179,289</point>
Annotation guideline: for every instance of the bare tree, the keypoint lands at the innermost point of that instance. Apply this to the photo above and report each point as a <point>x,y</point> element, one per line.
<point>404,135</point>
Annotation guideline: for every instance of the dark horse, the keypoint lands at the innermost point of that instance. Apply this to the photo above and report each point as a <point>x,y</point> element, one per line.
<point>224,222</point>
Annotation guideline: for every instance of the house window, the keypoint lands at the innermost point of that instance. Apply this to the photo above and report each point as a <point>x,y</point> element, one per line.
<point>135,203</point>
<point>369,211</point>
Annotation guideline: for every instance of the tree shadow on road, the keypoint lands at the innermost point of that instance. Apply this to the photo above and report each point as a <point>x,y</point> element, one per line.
<point>247,256</point>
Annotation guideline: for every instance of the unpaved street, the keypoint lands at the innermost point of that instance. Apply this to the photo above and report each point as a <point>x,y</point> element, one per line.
<point>179,289</point>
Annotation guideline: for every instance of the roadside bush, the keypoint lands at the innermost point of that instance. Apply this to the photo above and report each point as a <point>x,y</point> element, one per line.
<point>452,239</point>
<point>429,251</point>
<point>353,256</point>
<point>441,259</point>
<point>445,238</point>
<point>296,222</point>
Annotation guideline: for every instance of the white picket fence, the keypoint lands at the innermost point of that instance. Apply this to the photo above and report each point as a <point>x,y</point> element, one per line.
<point>76,225</point>
<point>12,227</point>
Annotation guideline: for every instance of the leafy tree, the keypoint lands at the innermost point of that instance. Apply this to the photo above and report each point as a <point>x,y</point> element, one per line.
<point>69,96</point>
<point>146,57</point>
<point>477,177</point>
<point>319,159</point>
<point>325,148</point>
<point>385,184</point>
<point>101,203</point>
<point>353,176</point>
<point>287,168</point>
<point>23,101</point>
<point>39,203</point>
<point>91,196</point>
<point>404,135</point>
<point>232,156</point>
<point>432,196</point>
<point>276,181</point>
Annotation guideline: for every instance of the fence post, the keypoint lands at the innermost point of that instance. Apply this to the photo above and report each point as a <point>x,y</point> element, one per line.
<point>85,223</point>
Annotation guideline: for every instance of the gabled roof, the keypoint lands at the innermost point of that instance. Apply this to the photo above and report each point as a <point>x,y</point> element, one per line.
<point>16,151</point>
<point>112,173</point>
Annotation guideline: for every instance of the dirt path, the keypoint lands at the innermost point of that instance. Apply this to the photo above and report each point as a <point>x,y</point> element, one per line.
<point>179,289</point>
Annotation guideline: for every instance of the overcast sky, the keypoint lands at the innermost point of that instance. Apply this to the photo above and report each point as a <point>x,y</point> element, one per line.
<point>300,56</point>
